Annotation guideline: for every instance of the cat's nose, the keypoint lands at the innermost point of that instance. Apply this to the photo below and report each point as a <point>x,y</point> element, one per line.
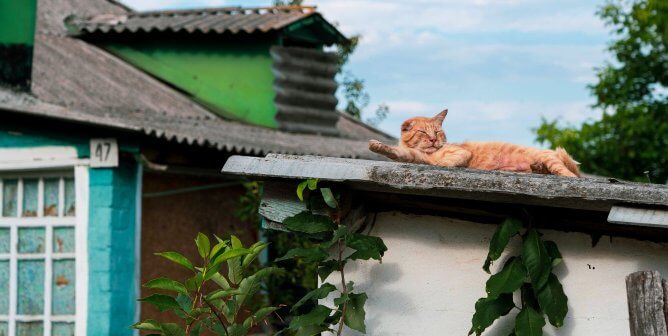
<point>433,140</point>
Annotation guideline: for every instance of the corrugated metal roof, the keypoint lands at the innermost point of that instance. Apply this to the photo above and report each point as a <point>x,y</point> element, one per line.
<point>212,20</point>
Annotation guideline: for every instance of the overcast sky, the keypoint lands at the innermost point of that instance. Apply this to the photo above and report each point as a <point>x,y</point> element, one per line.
<point>498,65</point>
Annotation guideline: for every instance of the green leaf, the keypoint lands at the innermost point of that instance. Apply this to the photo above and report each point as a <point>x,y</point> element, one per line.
<point>262,313</point>
<point>251,284</point>
<point>203,245</point>
<point>355,315</point>
<point>258,316</point>
<point>316,294</point>
<point>366,247</point>
<point>217,250</point>
<point>312,330</point>
<point>237,330</point>
<point>327,267</point>
<point>229,254</point>
<point>151,325</point>
<point>553,252</point>
<point>488,310</point>
<point>339,233</point>
<point>536,259</point>
<point>172,329</point>
<point>329,198</point>
<point>500,239</point>
<point>312,183</point>
<point>220,280</point>
<point>192,284</point>
<point>315,317</point>
<point>300,190</point>
<point>529,323</point>
<point>553,301</point>
<point>309,255</point>
<point>234,270</point>
<point>307,222</point>
<point>196,330</point>
<point>162,302</point>
<point>185,302</point>
<point>177,258</point>
<point>222,294</point>
<point>236,243</point>
<point>255,251</point>
<point>508,280</point>
<point>166,284</point>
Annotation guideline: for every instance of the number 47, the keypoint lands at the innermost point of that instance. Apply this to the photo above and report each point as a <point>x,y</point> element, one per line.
<point>104,153</point>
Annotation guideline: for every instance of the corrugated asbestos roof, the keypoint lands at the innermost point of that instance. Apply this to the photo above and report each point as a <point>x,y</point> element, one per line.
<point>76,81</point>
<point>203,131</point>
<point>216,20</point>
<point>305,88</point>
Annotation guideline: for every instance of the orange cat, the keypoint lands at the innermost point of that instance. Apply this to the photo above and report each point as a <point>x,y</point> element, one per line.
<point>423,141</point>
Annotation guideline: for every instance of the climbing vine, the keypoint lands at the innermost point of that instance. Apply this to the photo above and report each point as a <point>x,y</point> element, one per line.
<point>530,273</point>
<point>334,246</point>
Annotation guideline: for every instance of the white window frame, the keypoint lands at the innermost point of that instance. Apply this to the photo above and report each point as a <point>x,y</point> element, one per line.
<point>40,162</point>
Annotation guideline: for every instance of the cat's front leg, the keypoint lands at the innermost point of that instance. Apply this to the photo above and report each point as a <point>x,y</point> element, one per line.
<point>385,150</point>
<point>399,154</point>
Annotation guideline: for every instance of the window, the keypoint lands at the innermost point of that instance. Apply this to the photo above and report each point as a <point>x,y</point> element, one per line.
<point>39,281</point>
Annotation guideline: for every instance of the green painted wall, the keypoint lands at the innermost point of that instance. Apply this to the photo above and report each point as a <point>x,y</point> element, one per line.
<point>17,35</point>
<point>17,21</point>
<point>233,78</point>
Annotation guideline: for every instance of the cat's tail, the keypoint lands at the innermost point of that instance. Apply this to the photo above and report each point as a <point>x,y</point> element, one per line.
<point>568,161</point>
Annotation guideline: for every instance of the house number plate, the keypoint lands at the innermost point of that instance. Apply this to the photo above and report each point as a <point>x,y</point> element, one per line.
<point>103,153</point>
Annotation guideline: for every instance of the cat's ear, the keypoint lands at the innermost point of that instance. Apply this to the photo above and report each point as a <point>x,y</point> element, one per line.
<point>441,116</point>
<point>407,125</point>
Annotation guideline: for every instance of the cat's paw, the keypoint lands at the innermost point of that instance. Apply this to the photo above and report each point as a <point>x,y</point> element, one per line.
<point>377,147</point>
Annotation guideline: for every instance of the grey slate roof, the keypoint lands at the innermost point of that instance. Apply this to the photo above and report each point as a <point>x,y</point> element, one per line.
<point>77,81</point>
<point>214,20</point>
<point>598,194</point>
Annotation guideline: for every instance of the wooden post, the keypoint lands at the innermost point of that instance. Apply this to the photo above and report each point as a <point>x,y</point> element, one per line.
<point>647,297</point>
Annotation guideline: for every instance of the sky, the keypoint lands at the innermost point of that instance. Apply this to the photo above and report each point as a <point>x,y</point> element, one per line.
<point>499,66</point>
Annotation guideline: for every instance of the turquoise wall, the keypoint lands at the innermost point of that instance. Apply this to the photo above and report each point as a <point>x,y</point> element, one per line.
<point>111,249</point>
<point>111,232</point>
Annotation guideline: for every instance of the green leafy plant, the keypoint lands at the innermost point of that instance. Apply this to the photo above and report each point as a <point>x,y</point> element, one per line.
<point>334,245</point>
<point>529,273</point>
<point>210,300</point>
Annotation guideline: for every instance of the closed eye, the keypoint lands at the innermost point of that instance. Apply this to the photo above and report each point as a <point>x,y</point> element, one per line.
<point>423,132</point>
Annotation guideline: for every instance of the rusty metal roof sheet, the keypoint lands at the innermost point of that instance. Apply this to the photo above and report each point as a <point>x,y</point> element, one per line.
<point>212,20</point>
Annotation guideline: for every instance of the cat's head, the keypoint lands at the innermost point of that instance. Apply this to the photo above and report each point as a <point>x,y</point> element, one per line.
<point>423,133</point>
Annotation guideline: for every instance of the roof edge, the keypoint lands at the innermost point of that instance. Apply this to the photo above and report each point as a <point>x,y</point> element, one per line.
<point>458,183</point>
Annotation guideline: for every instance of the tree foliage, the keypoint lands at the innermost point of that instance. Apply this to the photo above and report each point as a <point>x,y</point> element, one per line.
<point>631,139</point>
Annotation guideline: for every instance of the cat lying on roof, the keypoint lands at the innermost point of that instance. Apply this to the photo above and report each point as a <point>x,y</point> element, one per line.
<point>423,141</point>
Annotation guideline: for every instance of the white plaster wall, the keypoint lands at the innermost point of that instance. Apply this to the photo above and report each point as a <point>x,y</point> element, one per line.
<point>431,277</point>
